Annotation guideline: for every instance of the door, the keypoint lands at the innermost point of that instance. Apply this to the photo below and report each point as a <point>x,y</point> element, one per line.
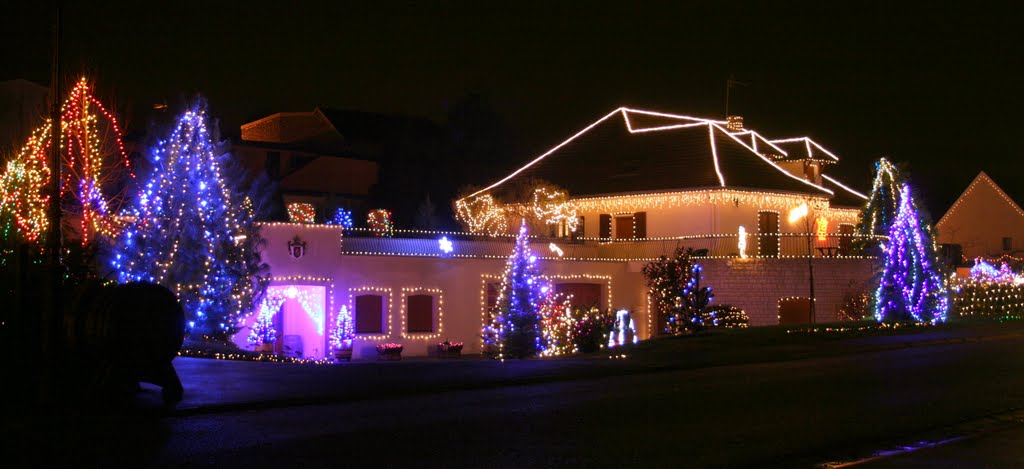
<point>768,234</point>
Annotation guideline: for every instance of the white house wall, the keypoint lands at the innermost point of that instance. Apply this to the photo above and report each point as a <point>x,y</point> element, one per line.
<point>756,285</point>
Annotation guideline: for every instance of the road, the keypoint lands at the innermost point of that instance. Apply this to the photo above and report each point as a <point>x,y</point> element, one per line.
<point>784,414</point>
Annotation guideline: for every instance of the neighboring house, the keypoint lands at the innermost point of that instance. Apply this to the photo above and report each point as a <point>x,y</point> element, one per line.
<point>340,158</point>
<point>644,181</point>
<point>983,222</point>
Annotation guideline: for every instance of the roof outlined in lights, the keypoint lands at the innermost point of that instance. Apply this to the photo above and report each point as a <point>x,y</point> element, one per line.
<point>732,154</point>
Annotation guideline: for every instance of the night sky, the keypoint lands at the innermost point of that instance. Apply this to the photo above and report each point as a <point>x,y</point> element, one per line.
<point>938,87</point>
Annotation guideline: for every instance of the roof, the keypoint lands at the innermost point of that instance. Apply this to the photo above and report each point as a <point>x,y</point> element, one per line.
<point>980,179</point>
<point>845,196</point>
<point>801,148</point>
<point>332,175</point>
<point>630,150</point>
<point>372,126</point>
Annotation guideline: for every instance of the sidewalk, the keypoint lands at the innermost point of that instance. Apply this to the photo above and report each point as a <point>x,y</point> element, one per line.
<point>224,385</point>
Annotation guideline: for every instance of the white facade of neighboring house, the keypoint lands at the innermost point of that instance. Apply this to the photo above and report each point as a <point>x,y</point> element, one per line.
<point>984,221</point>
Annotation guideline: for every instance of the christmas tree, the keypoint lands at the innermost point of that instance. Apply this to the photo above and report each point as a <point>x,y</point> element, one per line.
<point>514,330</point>
<point>912,286</point>
<point>675,289</point>
<point>880,210</point>
<point>193,231</point>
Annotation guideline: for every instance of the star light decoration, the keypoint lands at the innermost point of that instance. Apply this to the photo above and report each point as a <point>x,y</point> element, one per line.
<point>445,245</point>
<point>94,166</point>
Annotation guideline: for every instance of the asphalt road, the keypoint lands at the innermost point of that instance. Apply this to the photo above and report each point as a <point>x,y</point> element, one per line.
<point>786,414</point>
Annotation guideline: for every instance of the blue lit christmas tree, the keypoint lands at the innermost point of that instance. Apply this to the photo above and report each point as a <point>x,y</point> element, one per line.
<point>911,287</point>
<point>192,230</point>
<point>515,331</point>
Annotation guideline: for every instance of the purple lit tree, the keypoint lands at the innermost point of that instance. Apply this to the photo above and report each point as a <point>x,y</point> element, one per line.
<point>912,287</point>
<point>514,330</point>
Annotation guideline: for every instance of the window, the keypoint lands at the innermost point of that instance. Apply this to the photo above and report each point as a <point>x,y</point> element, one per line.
<point>795,310</point>
<point>604,226</point>
<point>419,313</point>
<point>624,227</point>
<point>583,294</point>
<point>369,314</point>
<point>1007,244</point>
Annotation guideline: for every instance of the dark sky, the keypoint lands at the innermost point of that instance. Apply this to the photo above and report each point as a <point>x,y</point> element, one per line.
<point>936,86</point>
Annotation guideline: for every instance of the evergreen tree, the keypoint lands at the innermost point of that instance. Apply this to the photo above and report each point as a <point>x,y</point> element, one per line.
<point>674,285</point>
<point>912,285</point>
<point>514,330</point>
<point>193,230</point>
<point>883,202</point>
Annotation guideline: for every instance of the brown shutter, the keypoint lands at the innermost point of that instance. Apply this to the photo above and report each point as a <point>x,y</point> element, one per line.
<point>640,225</point>
<point>604,227</point>
<point>419,313</point>
<point>369,314</point>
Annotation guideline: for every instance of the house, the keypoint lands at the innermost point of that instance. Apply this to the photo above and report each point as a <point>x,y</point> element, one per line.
<point>654,175</point>
<point>652,181</point>
<point>983,222</point>
<point>333,158</point>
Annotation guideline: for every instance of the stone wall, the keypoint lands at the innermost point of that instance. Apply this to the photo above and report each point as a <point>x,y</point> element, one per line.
<point>757,285</point>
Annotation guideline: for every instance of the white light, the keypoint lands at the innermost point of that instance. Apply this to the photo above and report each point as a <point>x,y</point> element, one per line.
<point>742,242</point>
<point>555,249</point>
<point>798,213</point>
<point>445,245</point>
<point>291,292</point>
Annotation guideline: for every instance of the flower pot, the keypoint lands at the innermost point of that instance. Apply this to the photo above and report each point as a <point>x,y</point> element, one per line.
<point>389,356</point>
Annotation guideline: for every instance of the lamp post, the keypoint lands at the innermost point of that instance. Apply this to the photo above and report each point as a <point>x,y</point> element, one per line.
<point>796,214</point>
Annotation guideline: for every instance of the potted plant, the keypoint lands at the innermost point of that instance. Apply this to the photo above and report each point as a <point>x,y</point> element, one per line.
<point>263,335</point>
<point>389,351</point>
<point>449,349</point>
<point>342,335</point>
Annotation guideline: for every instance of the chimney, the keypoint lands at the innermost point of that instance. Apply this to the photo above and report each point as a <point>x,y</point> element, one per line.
<point>734,123</point>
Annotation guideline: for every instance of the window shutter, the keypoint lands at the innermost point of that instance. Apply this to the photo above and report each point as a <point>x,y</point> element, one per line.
<point>419,313</point>
<point>640,225</point>
<point>604,228</point>
<point>369,314</point>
